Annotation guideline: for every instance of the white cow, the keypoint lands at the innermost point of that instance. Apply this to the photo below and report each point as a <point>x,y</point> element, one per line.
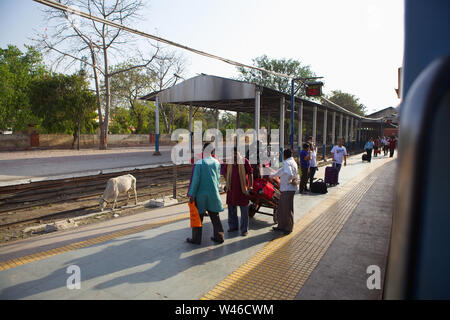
<point>115,186</point>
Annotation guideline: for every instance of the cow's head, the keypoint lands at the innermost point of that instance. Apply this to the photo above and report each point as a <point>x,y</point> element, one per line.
<point>102,203</point>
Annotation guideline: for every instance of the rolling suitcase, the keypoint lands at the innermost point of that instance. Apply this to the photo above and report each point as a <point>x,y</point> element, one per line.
<point>365,157</point>
<point>331,175</point>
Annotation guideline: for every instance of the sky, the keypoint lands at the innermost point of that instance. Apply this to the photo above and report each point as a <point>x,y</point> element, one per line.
<point>357,46</point>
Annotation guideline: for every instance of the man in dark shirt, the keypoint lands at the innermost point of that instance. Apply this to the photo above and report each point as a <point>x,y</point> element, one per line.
<point>392,145</point>
<point>304,164</point>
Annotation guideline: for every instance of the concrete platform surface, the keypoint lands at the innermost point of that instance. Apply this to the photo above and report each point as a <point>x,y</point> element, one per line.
<point>16,166</point>
<point>155,263</point>
<point>342,273</point>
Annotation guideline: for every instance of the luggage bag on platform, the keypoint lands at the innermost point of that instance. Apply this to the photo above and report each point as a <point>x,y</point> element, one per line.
<point>266,189</point>
<point>319,187</point>
<point>365,157</point>
<point>331,175</point>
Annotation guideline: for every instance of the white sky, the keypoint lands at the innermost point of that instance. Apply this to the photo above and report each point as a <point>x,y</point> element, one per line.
<point>355,45</point>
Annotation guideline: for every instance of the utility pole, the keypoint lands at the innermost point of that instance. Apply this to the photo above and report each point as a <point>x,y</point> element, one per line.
<point>79,132</point>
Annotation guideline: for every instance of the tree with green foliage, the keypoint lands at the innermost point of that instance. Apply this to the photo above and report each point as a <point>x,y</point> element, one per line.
<point>126,88</point>
<point>64,103</point>
<point>121,121</point>
<point>142,117</point>
<point>168,68</point>
<point>17,71</point>
<point>347,101</point>
<point>289,67</point>
<point>74,39</point>
<point>227,121</point>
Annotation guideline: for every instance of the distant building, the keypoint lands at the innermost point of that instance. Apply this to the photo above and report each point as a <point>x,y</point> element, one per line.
<point>389,112</point>
<point>390,117</point>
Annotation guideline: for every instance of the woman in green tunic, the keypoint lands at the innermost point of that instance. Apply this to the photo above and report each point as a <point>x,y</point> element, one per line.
<point>204,190</point>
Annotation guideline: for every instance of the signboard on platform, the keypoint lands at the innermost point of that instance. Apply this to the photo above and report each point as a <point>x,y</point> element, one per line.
<point>314,89</point>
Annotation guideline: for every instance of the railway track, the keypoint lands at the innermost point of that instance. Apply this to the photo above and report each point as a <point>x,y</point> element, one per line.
<point>48,200</point>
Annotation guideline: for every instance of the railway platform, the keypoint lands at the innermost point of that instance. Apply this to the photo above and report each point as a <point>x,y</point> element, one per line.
<point>28,166</point>
<point>336,237</point>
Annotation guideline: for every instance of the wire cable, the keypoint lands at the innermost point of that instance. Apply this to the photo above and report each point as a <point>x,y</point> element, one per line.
<point>68,9</point>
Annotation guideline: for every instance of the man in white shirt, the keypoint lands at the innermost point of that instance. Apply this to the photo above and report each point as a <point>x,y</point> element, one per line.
<point>339,153</point>
<point>312,165</point>
<point>288,185</point>
<point>385,145</point>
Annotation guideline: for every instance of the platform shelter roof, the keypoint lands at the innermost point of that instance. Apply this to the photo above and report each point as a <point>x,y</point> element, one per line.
<point>231,95</point>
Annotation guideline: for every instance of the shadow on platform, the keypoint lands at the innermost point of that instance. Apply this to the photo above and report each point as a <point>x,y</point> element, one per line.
<point>167,253</point>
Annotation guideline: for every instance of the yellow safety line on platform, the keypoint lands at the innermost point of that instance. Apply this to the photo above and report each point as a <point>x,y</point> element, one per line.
<point>86,243</point>
<point>279,270</point>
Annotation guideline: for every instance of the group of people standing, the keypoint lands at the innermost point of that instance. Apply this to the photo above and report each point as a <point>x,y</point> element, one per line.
<point>308,162</point>
<point>288,174</point>
<point>239,175</point>
<point>204,191</point>
<point>377,144</point>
